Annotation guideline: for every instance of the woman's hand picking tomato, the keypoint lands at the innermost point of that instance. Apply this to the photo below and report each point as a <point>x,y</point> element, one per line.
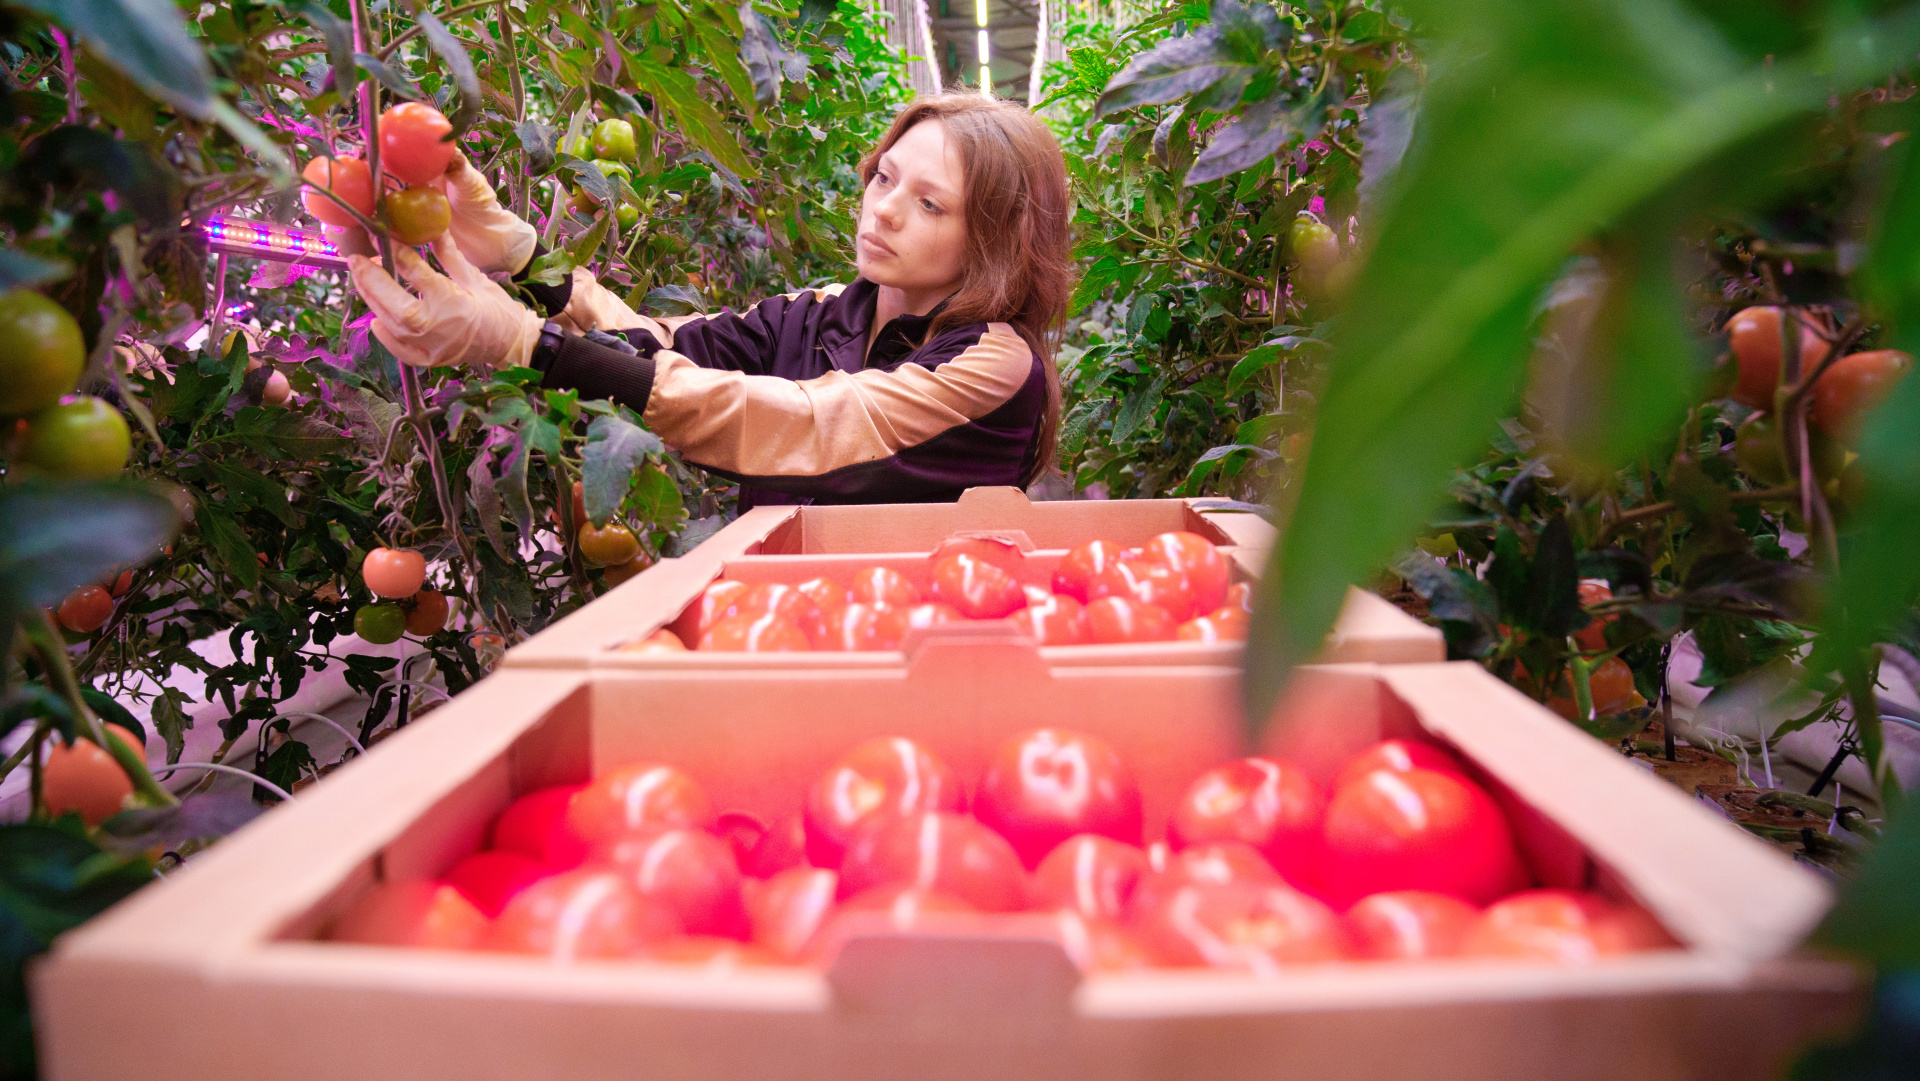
<point>1196,559</point>
<point>690,871</point>
<point>1078,567</point>
<point>1122,619</point>
<point>939,852</point>
<point>414,144</point>
<point>762,633</point>
<point>1268,803</point>
<point>1409,925</point>
<point>976,588</point>
<point>580,916</point>
<point>1092,875</point>
<point>882,586</point>
<point>1055,620</point>
<point>1417,830</point>
<point>1044,786</point>
<point>890,776</point>
<point>1246,926</point>
<point>423,915</point>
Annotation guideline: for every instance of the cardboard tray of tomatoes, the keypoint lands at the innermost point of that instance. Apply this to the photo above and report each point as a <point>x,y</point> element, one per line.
<point>224,970</point>
<point>798,545</point>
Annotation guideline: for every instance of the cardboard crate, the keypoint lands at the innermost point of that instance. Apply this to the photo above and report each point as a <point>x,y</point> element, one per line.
<point>793,544</point>
<point>217,973</point>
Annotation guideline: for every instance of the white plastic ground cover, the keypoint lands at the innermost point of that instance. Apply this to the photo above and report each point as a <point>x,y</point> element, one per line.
<point>319,692</point>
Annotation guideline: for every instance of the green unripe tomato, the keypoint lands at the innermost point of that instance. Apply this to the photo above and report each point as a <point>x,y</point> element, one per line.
<point>380,624</point>
<point>576,148</point>
<point>1313,245</point>
<point>628,215</point>
<point>611,169</point>
<point>614,139</point>
<point>1756,446</point>
<point>85,439</point>
<point>41,352</point>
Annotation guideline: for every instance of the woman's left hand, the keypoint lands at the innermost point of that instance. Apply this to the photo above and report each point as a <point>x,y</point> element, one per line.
<point>460,317</point>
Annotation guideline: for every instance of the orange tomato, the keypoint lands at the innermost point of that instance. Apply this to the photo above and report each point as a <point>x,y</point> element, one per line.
<point>83,778</point>
<point>1120,619</point>
<point>785,601</point>
<point>86,609</point>
<point>896,623</point>
<point>1228,623</point>
<point>1563,927</point>
<point>975,587</point>
<point>826,594</point>
<point>1194,557</point>
<point>1754,337</point>
<point>428,616</point>
<point>750,633</point>
<point>714,604</point>
<point>660,641</point>
<point>347,178</point>
<point>858,627</point>
<point>1078,567</point>
<point>635,798</point>
<point>423,915</point>
<point>882,586</point>
<point>1002,553</point>
<point>1593,636</point>
<point>1846,392</point>
<point>1409,925</point>
<point>1147,582</point>
<point>1057,620</point>
<point>413,142</point>
<point>1611,686</point>
<point>582,915</point>
<point>395,573</point>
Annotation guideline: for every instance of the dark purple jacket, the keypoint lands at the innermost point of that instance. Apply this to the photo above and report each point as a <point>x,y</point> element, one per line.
<point>780,399</point>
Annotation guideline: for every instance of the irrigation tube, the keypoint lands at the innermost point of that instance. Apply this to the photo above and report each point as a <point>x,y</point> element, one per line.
<point>217,768</point>
<point>323,719</point>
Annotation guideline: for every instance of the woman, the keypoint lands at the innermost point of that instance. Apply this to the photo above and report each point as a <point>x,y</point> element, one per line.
<point>932,372</point>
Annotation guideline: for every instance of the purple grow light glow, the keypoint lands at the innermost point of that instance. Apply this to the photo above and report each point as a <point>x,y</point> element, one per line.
<point>266,240</point>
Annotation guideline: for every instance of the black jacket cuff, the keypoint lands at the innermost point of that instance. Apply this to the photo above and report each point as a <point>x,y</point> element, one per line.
<point>553,299</point>
<point>600,371</point>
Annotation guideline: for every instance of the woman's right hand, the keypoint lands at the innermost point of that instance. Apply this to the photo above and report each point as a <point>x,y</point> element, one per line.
<point>491,237</point>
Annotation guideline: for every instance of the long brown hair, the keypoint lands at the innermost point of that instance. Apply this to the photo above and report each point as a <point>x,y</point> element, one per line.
<point>1019,265</point>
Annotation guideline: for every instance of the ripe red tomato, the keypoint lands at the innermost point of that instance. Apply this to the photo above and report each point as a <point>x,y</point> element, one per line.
<point>1044,786</point>
<point>535,825</point>
<point>423,915</point>
<point>1121,619</point>
<point>788,910</point>
<point>772,851</point>
<point>1244,926</point>
<point>1754,337</point>
<point>428,616</point>
<point>1561,926</point>
<point>1846,392</point>
<point>1099,945</point>
<point>882,586</point>
<point>825,593</point>
<point>1408,925</point>
<point>936,851</point>
<point>977,588</point>
<point>691,871</point>
<point>417,216</point>
<point>119,586</point>
<point>1399,756</point>
<point>788,603</point>
<point>491,879</point>
<point>1001,553</point>
<point>901,908</point>
<point>1611,686</point>
<point>1078,567</point>
<point>1417,830</point>
<point>1214,861</point>
<point>1240,595</point>
<point>347,178</point>
<point>1226,623</point>
<point>764,633</point>
<point>1146,582</point>
<point>887,776</point>
<point>1058,620</point>
<point>660,641</point>
<point>711,953</point>
<point>896,623</point>
<point>1089,874</point>
<point>393,573</point>
<point>859,628</point>
<point>1593,636</point>
<point>713,605</point>
<point>86,609</point>
<point>1194,557</point>
<point>1268,803</point>
<point>581,915</point>
<point>83,778</point>
<point>637,799</point>
<point>413,142</point>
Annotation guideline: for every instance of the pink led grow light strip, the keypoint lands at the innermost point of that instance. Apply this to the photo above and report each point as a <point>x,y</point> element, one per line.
<point>265,240</point>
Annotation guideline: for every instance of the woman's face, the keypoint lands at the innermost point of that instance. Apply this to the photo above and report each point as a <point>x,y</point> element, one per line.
<point>913,230</point>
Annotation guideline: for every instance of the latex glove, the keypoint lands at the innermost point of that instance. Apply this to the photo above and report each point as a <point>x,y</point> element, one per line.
<point>460,317</point>
<point>489,235</point>
<point>595,307</point>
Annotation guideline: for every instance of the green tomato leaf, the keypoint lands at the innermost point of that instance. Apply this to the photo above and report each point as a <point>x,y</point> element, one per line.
<point>147,41</point>
<point>615,451</point>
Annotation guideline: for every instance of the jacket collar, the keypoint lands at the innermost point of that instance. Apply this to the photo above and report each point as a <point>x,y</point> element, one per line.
<point>845,336</point>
